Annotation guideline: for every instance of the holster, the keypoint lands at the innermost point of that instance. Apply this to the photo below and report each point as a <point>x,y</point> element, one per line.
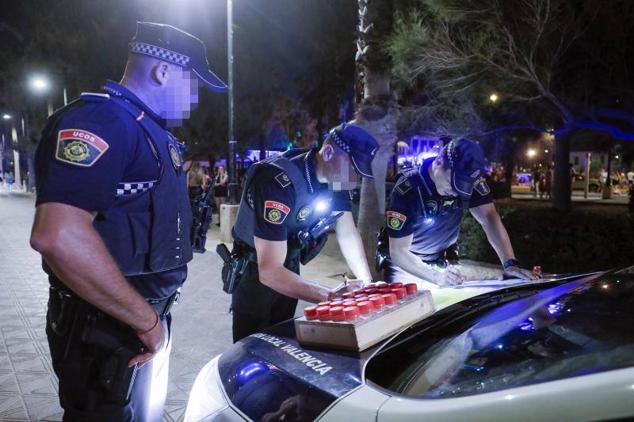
<point>235,263</point>
<point>104,345</point>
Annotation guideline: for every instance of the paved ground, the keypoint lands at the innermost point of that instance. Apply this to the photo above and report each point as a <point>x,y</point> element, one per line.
<point>202,324</point>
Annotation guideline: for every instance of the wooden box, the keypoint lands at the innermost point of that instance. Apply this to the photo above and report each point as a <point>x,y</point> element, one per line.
<point>364,333</point>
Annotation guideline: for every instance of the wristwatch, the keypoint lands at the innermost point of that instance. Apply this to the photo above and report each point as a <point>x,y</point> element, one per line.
<point>510,263</point>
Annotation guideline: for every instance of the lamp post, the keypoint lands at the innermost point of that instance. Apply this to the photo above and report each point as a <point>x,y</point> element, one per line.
<point>5,118</point>
<point>494,97</point>
<point>41,85</point>
<point>231,159</point>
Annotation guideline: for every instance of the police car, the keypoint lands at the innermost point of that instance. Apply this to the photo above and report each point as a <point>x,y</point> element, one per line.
<point>556,350</point>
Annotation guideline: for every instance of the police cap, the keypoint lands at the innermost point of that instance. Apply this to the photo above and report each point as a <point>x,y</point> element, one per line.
<point>360,146</point>
<point>172,45</point>
<point>467,162</point>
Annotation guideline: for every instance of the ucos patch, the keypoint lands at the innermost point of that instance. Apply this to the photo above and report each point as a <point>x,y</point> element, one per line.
<point>79,147</point>
<point>275,212</point>
<point>395,220</point>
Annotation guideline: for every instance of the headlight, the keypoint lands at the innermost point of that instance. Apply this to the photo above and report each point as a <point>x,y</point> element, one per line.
<point>206,399</point>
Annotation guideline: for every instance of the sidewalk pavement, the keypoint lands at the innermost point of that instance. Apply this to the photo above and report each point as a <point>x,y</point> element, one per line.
<point>202,323</point>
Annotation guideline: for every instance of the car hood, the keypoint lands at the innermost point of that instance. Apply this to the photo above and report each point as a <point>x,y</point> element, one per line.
<point>270,375</point>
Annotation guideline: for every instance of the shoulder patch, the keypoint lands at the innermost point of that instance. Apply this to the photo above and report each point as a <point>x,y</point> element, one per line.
<point>482,187</point>
<point>283,179</point>
<point>403,186</point>
<point>395,220</point>
<point>275,212</point>
<point>79,147</point>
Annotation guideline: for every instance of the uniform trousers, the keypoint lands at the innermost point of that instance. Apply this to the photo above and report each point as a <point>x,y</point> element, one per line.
<point>90,351</point>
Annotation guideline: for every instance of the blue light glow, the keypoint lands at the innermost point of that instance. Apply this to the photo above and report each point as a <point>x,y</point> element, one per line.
<point>429,221</point>
<point>249,371</point>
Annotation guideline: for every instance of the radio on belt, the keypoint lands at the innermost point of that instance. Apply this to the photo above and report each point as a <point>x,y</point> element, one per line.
<point>362,318</point>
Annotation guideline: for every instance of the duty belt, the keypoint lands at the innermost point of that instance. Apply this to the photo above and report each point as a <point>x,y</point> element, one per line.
<point>161,306</point>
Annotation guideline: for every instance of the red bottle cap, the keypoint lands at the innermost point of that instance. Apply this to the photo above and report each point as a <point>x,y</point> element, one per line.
<point>336,313</point>
<point>323,304</point>
<point>323,313</point>
<point>371,285</point>
<point>389,298</point>
<point>400,292</point>
<point>396,285</point>
<point>348,295</point>
<point>349,302</point>
<point>411,288</point>
<point>365,307</point>
<point>381,284</point>
<point>377,301</point>
<point>361,296</point>
<point>310,312</point>
<point>350,313</point>
<point>370,291</point>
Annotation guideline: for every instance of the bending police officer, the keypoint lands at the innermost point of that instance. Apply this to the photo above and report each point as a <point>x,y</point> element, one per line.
<point>112,224</point>
<point>424,215</point>
<point>283,200</point>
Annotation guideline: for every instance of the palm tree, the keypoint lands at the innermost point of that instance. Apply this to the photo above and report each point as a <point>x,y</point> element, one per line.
<point>377,111</point>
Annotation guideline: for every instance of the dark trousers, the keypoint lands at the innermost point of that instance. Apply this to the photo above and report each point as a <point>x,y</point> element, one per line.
<point>256,307</point>
<point>90,351</point>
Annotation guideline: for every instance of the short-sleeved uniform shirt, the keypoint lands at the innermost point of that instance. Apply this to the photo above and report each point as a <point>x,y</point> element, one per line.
<point>415,207</point>
<point>93,154</point>
<point>269,194</point>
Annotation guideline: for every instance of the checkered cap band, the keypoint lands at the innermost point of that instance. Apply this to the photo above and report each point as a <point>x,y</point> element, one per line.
<point>451,153</point>
<point>340,143</point>
<point>160,53</point>
<point>130,188</point>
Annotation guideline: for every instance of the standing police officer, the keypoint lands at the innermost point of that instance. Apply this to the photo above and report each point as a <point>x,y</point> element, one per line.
<point>424,215</point>
<point>283,203</point>
<point>113,226</point>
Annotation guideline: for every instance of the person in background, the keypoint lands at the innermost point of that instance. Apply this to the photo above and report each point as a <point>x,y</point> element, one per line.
<point>220,189</point>
<point>196,180</point>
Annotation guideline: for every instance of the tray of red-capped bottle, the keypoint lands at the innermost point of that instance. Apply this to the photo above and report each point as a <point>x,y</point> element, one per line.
<point>360,319</point>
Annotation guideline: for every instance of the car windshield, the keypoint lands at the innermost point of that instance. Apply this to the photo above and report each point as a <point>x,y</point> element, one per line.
<point>578,328</point>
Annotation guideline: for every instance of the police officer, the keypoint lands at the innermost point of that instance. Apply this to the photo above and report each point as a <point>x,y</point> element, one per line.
<point>283,198</point>
<point>424,215</point>
<point>112,224</point>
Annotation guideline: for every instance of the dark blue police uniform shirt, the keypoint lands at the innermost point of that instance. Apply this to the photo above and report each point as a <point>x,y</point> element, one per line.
<point>90,179</point>
<point>266,189</point>
<point>436,225</point>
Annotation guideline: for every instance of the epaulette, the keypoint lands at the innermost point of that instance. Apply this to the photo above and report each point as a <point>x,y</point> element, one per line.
<point>94,96</point>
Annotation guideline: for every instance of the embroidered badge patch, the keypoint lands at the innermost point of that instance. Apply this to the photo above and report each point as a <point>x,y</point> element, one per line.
<point>275,212</point>
<point>283,179</point>
<point>304,213</point>
<point>482,187</point>
<point>395,220</point>
<point>175,156</point>
<point>79,147</point>
<point>403,187</point>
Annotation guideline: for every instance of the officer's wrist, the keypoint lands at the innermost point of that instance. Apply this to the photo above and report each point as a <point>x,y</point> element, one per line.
<point>510,263</point>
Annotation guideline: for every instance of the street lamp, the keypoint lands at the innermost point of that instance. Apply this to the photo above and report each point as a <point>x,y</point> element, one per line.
<point>494,97</point>
<point>531,153</point>
<point>545,151</point>
<point>39,84</point>
<point>6,116</point>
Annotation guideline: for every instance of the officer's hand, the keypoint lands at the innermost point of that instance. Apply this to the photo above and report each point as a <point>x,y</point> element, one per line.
<point>153,341</point>
<point>450,277</point>
<point>517,272</point>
